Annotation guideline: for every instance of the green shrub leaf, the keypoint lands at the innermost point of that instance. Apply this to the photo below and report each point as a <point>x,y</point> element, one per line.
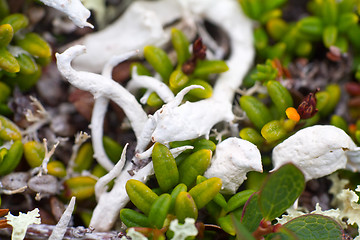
<point>280,191</point>
<point>314,226</point>
<point>251,214</point>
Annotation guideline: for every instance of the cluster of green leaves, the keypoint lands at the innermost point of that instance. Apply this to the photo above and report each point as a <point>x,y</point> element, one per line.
<point>172,199</point>
<point>13,151</point>
<point>197,70</point>
<point>328,24</point>
<point>245,214</point>
<point>22,54</point>
<point>269,122</point>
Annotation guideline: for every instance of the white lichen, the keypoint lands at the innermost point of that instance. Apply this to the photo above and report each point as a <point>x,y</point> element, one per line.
<point>182,231</point>
<point>134,235</point>
<point>73,8</point>
<point>99,111</point>
<point>20,223</point>
<point>139,26</point>
<point>349,207</point>
<point>234,157</point>
<point>60,228</point>
<point>317,151</point>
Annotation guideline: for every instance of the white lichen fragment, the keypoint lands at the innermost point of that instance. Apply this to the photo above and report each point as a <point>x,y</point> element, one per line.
<point>234,157</point>
<point>349,207</point>
<point>73,8</point>
<point>337,186</point>
<point>182,231</point>
<point>317,151</point>
<point>20,223</point>
<point>60,228</point>
<point>134,235</point>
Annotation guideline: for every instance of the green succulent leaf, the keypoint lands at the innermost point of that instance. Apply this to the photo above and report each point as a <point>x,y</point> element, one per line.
<point>132,218</point>
<point>273,131</point>
<point>346,21</point>
<point>4,8</point>
<point>251,135</point>
<point>56,168</point>
<point>11,158</point>
<point>159,210</point>
<point>27,64</point>
<point>255,110</point>
<point>207,67</point>
<point>194,165</point>
<point>204,144</point>
<point>239,199</point>
<point>311,26</point>
<point>175,192</point>
<point>5,92</point>
<point>185,207</point>
<point>84,157</point>
<point>219,199</point>
<point>6,34</point>
<point>82,187</point>
<point>9,130</point>
<point>160,61</point>
<point>178,79</point>
<point>112,149</point>
<point>34,153</point>
<point>200,93</point>
<point>154,100</point>
<point>281,190</point>
<point>330,35</point>
<point>280,96</point>
<point>261,39</point>
<point>35,45</point>
<point>16,20</point>
<point>140,195</point>
<point>204,192</point>
<point>252,8</point>
<point>329,11</point>
<point>165,168</point>
<point>181,45</point>
<point>8,62</point>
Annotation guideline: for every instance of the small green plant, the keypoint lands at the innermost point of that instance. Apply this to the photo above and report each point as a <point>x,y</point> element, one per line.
<point>191,68</point>
<point>22,54</point>
<point>329,23</point>
<point>246,213</point>
<point>273,115</point>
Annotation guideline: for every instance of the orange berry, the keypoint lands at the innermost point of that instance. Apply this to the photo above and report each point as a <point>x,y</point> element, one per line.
<point>292,114</point>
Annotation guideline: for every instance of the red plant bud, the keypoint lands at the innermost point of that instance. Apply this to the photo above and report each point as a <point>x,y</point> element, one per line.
<point>307,107</point>
<point>189,66</point>
<point>199,49</point>
<point>353,88</point>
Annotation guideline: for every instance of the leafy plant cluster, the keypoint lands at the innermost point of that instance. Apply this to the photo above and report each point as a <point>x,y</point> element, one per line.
<point>275,39</point>
<point>328,24</point>
<point>22,55</point>
<point>183,192</point>
<point>191,68</point>
<point>273,115</point>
